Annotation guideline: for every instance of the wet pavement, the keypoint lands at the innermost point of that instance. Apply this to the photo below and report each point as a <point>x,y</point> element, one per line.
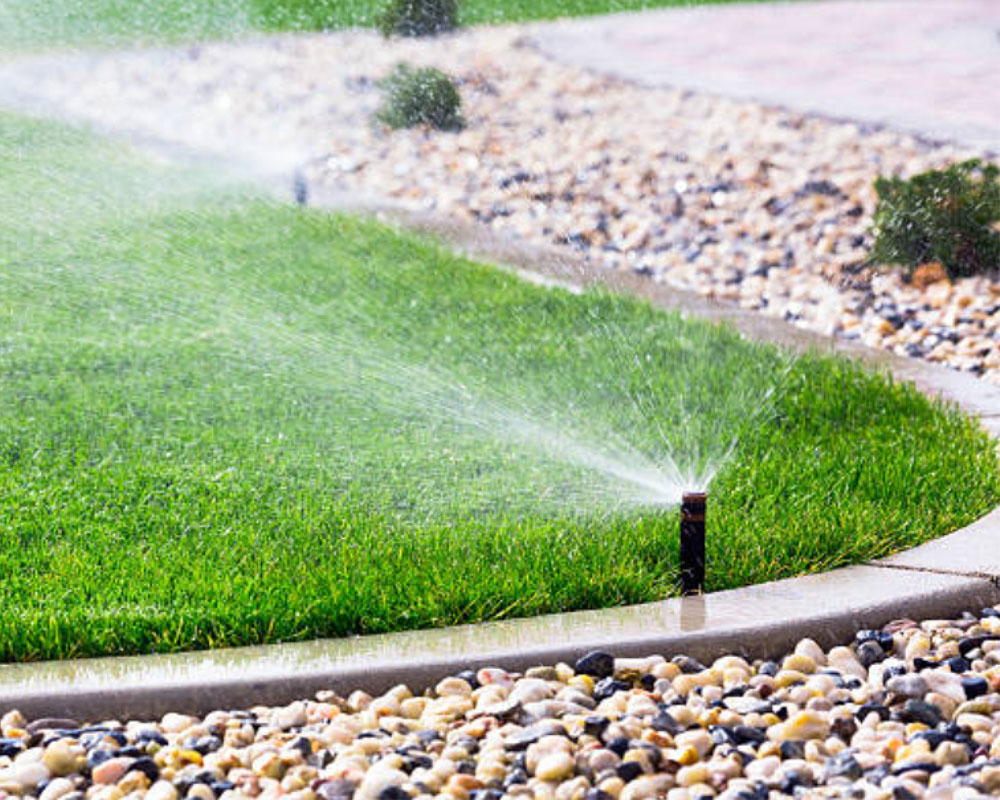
<point>918,65</point>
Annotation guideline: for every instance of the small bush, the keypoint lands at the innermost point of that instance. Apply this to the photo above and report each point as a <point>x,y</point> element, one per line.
<point>418,17</point>
<point>946,215</point>
<point>424,96</point>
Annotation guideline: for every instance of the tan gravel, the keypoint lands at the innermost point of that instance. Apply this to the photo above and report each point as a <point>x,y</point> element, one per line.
<point>908,711</point>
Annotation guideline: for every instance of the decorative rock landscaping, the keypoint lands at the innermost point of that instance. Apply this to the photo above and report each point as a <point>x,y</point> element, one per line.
<point>751,205</point>
<point>908,711</point>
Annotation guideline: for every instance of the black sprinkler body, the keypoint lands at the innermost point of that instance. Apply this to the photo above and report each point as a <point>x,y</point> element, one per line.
<point>693,543</point>
<point>300,188</point>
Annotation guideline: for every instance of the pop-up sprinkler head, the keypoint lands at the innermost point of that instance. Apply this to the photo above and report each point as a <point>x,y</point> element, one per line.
<point>693,543</point>
<point>300,188</point>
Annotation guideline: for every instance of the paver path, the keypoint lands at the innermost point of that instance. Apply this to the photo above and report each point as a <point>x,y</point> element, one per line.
<point>921,65</point>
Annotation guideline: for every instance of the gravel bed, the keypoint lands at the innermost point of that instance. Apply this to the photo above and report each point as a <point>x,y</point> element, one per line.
<point>751,205</point>
<point>908,711</point>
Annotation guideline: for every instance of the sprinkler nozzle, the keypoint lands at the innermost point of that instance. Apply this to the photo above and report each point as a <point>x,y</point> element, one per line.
<point>693,543</point>
<point>300,188</point>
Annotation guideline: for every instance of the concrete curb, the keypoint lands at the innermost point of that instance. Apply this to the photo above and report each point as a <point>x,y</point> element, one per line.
<point>956,572</point>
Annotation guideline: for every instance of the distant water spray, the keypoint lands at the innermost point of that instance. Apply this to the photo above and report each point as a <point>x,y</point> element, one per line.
<point>578,445</point>
<point>577,442</point>
<point>607,469</point>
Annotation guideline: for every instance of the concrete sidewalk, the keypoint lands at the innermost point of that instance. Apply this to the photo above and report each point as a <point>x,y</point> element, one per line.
<point>927,66</point>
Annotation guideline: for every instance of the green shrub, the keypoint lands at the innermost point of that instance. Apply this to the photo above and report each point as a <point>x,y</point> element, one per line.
<point>418,17</point>
<point>945,215</point>
<point>424,96</point>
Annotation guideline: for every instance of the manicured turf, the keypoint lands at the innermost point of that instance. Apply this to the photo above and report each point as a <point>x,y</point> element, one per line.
<point>224,421</point>
<point>55,22</point>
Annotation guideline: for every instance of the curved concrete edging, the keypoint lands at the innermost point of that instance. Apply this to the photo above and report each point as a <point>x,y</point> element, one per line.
<point>959,571</point>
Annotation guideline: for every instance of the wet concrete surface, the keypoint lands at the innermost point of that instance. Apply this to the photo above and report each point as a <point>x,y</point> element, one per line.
<point>920,65</point>
<point>762,620</point>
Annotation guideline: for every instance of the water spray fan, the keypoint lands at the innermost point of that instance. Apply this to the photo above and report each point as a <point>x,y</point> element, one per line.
<point>693,543</point>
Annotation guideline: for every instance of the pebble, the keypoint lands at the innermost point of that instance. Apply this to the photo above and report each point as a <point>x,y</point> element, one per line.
<point>763,208</point>
<point>111,771</point>
<point>596,664</point>
<point>908,685</point>
<point>922,721</point>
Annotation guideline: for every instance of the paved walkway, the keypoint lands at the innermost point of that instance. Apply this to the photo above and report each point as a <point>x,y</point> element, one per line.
<point>930,66</point>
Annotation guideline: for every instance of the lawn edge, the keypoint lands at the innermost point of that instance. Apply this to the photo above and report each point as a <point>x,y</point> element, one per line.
<point>937,579</point>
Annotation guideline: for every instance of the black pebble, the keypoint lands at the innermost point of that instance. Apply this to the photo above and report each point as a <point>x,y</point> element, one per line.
<point>958,664</point>
<point>722,735</point>
<point>618,746</point>
<point>606,687</point>
<point>882,638</point>
<point>923,766</point>
<point>596,725</point>
<point>414,760</point>
<point>147,736</point>
<point>302,744</point>
<point>394,793</point>
<point>10,747</point>
<point>921,711</point>
<point>596,794</point>
<point>970,643</point>
<point>596,663</point>
<point>147,767</point>
<point>876,775</point>
<point>933,738</point>
<point>975,686</point>
<point>868,708</point>
<point>748,734</point>
<point>791,782</point>
<point>516,777</point>
<point>844,729</point>
<point>629,770</point>
<point>869,653</point>
<point>791,749</point>
<point>759,791</point>
<point>665,723</point>
<point>523,739</point>
<point>688,665</point>
<point>844,765</point>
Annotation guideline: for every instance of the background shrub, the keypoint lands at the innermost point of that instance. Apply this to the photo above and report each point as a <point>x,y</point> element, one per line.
<point>945,215</point>
<point>418,17</point>
<point>424,96</point>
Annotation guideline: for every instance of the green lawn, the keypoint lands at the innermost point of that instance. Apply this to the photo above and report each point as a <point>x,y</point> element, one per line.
<point>33,23</point>
<point>226,421</point>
